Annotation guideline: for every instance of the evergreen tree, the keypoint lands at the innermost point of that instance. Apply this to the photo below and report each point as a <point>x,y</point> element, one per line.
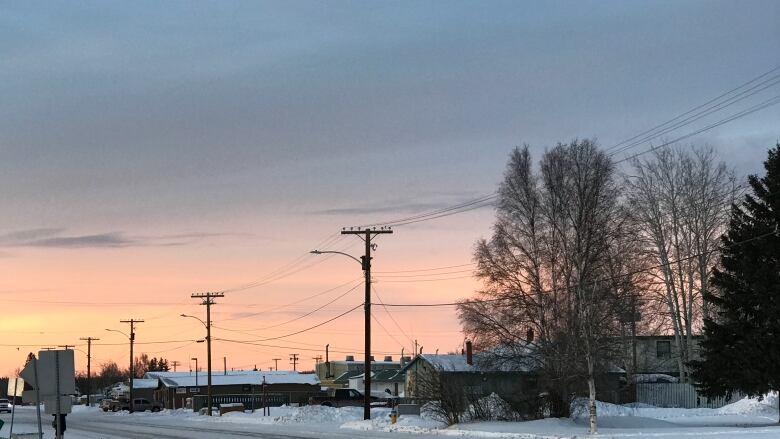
<point>740,351</point>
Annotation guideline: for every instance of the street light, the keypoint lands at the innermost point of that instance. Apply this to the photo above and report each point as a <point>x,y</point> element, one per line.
<point>130,338</point>
<point>196,370</point>
<point>208,353</point>
<point>365,263</point>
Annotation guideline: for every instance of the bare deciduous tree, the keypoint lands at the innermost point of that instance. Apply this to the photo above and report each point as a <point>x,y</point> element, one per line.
<point>547,270</point>
<point>679,202</point>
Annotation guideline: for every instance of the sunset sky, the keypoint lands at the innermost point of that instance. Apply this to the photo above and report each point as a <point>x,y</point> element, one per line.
<point>151,150</point>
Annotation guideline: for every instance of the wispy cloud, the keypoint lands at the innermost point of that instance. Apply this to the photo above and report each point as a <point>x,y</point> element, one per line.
<point>58,238</point>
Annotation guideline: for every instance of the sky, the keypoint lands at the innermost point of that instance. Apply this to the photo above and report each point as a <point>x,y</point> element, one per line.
<point>151,150</point>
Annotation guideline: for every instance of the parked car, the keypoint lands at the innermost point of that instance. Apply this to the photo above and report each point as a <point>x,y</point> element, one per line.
<point>5,406</point>
<point>345,398</point>
<point>142,405</point>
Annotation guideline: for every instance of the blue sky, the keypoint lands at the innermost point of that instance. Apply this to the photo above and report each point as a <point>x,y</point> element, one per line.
<point>234,134</point>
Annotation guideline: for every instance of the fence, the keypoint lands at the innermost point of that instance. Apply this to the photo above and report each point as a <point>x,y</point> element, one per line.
<point>250,402</point>
<point>678,395</point>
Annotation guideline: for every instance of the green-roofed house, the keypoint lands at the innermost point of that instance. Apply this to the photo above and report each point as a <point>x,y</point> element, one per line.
<point>382,381</point>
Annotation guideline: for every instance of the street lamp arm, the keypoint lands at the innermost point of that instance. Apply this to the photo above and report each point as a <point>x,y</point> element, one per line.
<point>321,252</point>
<point>196,318</point>
<point>115,330</point>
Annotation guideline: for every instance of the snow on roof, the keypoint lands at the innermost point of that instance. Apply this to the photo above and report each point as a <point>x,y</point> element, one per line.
<point>145,383</point>
<point>457,363</point>
<point>384,376</point>
<point>252,377</point>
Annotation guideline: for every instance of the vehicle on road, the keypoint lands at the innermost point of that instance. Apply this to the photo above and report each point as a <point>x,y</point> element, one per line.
<point>346,398</point>
<point>5,406</point>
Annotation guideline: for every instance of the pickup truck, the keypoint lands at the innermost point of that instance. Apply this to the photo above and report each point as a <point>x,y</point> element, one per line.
<point>345,398</point>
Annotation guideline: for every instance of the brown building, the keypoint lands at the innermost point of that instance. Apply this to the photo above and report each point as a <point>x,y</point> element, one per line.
<point>281,387</point>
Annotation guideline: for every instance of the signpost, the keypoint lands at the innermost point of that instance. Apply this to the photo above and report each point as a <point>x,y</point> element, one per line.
<point>15,388</point>
<point>52,377</point>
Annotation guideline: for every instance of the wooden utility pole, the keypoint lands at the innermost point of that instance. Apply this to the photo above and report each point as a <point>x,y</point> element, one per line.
<point>132,323</point>
<point>175,363</point>
<point>367,235</point>
<point>89,341</point>
<point>276,363</point>
<point>294,361</point>
<point>208,300</point>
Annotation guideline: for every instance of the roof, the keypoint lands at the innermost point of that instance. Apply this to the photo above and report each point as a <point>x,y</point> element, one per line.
<point>145,383</point>
<point>385,376</point>
<point>481,363</point>
<point>345,377</point>
<point>187,379</point>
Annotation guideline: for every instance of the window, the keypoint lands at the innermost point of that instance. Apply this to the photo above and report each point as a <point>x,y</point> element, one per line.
<point>194,389</point>
<point>181,390</point>
<point>663,349</point>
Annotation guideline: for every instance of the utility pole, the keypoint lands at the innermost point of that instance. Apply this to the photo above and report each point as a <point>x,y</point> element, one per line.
<point>89,341</point>
<point>132,323</point>
<point>317,361</point>
<point>276,363</point>
<point>367,236</point>
<point>294,361</point>
<point>66,346</point>
<point>175,363</point>
<point>208,300</point>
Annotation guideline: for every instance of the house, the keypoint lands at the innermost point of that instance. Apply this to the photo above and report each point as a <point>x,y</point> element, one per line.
<point>329,371</point>
<point>468,376</point>
<point>658,354</point>
<point>144,388</point>
<point>382,381</point>
<point>281,387</point>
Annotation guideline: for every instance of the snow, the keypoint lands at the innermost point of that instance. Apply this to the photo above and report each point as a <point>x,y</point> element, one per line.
<point>144,383</point>
<point>746,419</point>
<point>654,378</point>
<point>185,379</point>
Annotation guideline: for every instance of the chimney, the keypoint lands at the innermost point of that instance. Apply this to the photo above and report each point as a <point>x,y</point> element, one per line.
<point>370,358</point>
<point>388,358</point>
<point>350,358</point>
<point>469,353</point>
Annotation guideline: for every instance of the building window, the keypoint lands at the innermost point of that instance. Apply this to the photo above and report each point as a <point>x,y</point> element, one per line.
<point>192,390</point>
<point>181,390</point>
<point>663,349</point>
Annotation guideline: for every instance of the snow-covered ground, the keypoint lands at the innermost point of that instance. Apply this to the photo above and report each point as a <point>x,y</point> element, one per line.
<point>745,419</point>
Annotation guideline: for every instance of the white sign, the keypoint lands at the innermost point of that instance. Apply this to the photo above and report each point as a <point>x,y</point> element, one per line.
<point>55,369</point>
<point>50,404</point>
<point>15,387</point>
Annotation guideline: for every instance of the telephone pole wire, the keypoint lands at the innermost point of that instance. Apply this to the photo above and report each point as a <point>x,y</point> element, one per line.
<point>367,235</point>
<point>208,300</point>
<point>89,341</point>
<point>132,323</point>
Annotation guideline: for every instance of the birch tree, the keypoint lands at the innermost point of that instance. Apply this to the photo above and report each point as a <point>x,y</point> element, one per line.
<point>679,202</point>
<point>547,295</point>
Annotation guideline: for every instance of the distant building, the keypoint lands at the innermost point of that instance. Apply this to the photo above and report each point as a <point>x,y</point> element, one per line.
<point>282,387</point>
<point>386,381</point>
<point>330,371</point>
<point>658,354</point>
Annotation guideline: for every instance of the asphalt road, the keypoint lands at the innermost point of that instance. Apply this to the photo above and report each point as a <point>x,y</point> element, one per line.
<point>140,426</point>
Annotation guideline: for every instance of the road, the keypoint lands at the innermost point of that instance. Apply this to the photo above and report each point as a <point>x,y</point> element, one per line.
<point>98,425</point>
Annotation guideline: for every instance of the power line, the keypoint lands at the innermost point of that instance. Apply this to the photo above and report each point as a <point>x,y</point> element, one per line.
<point>606,278</point>
<point>427,269</point>
<point>296,318</point>
<point>692,110</point>
<point>760,106</point>
<point>309,328</point>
